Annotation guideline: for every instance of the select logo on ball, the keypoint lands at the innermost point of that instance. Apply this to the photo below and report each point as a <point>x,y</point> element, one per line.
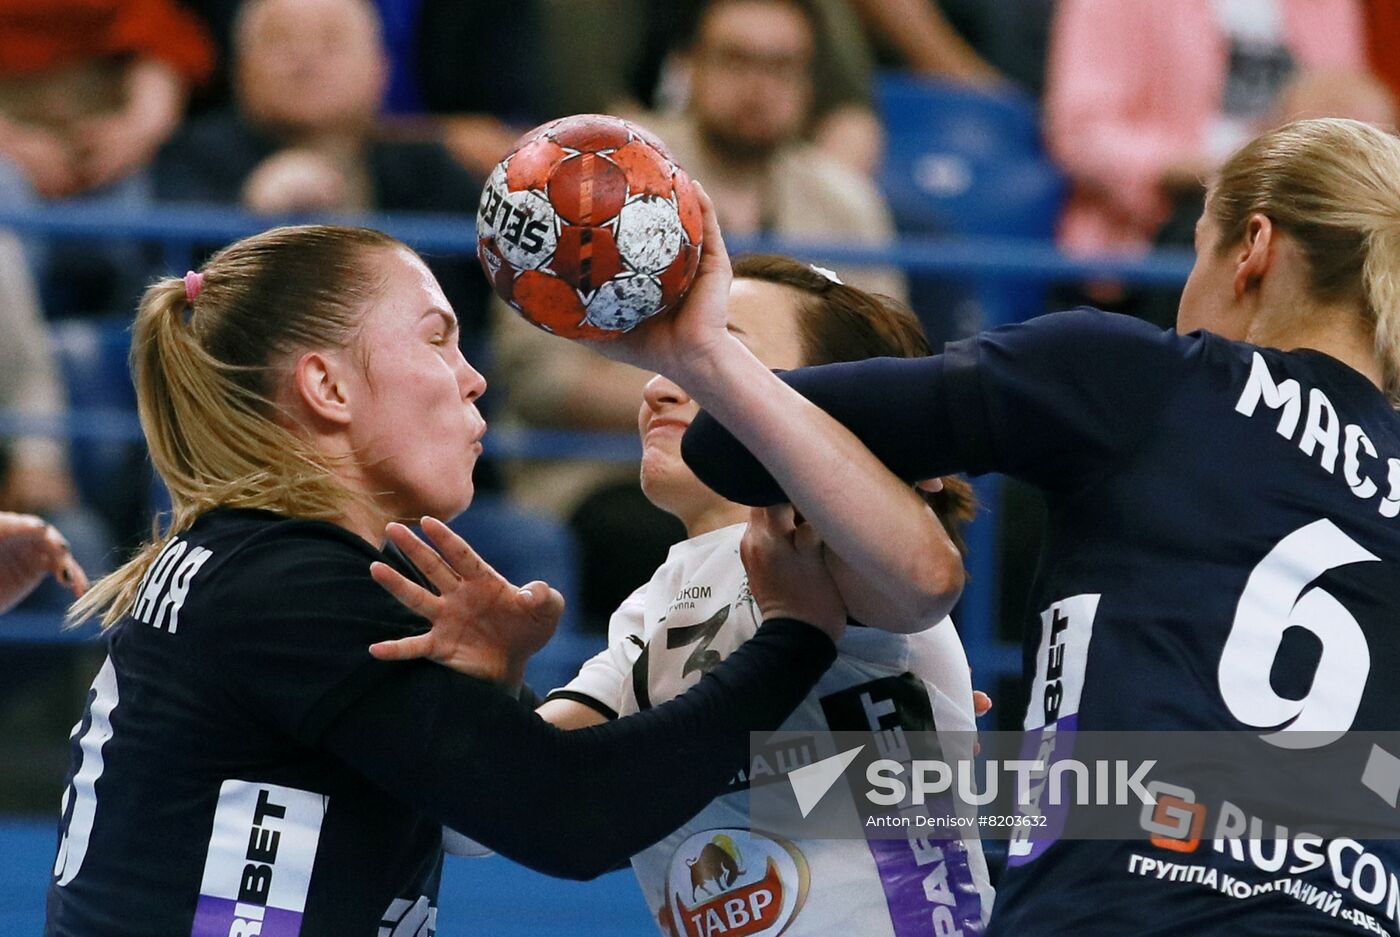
<point>588,227</point>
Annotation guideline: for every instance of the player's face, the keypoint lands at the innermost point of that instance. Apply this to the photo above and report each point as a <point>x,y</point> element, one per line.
<point>764,317</point>
<point>414,422</point>
<point>1208,300</point>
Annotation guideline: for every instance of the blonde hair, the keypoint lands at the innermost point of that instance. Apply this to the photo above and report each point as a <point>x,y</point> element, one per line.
<point>206,375</point>
<point>1334,186</point>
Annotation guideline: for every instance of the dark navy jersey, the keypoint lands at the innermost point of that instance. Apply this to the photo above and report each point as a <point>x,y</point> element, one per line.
<point>244,766</point>
<point>1205,497</point>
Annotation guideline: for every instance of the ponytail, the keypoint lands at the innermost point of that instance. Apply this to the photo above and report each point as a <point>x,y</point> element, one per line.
<point>206,374</point>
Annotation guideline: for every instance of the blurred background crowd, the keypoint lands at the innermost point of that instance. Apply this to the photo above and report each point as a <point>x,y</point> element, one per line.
<point>1089,123</point>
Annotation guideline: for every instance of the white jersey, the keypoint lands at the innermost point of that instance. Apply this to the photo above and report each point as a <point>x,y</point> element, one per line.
<point>696,609</point>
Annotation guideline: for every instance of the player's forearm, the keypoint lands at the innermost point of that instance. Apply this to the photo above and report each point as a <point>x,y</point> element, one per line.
<point>567,714</point>
<point>864,513</point>
<point>566,803</point>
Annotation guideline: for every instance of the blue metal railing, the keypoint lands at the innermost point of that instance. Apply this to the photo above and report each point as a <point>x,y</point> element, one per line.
<point>990,264</point>
<point>975,258</point>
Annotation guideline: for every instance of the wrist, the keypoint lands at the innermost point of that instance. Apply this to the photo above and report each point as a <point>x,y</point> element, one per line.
<point>713,370</point>
<point>507,673</point>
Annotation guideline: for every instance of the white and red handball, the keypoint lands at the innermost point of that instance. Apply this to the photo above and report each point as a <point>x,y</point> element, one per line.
<point>588,228</point>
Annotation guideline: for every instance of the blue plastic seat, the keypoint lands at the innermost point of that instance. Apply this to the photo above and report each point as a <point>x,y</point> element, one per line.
<point>961,161</point>
<point>935,190</point>
<point>968,120</point>
<point>111,474</point>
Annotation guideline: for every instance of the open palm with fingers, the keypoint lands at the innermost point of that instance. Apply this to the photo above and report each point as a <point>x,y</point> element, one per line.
<point>482,625</point>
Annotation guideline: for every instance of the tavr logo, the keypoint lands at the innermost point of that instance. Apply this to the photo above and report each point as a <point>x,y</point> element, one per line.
<point>734,883</point>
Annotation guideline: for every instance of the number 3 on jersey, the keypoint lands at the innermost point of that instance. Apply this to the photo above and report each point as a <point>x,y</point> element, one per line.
<point>79,807</point>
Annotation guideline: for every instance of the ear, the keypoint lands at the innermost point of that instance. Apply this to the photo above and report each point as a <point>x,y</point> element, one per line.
<point>319,383</point>
<point>1254,255</point>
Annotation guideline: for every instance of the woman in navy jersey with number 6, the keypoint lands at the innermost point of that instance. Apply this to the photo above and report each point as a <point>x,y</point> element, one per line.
<point>1210,490</point>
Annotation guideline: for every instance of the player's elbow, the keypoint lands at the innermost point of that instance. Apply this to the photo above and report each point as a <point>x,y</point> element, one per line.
<point>576,849</point>
<point>936,585</point>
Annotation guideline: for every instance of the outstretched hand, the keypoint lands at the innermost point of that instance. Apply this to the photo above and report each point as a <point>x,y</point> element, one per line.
<point>481,624</point>
<point>29,550</point>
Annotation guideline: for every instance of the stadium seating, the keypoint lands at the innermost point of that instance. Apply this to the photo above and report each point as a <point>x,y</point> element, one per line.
<point>960,161</point>
<point>111,472</point>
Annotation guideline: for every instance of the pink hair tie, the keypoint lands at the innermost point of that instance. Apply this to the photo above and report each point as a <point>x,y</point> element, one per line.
<point>194,282</point>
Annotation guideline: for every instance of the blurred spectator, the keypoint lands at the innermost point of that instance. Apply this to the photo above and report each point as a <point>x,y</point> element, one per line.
<point>1145,98</point>
<point>34,472</point>
<point>476,103</point>
<point>1383,31</point>
<point>309,83</point>
<point>751,85</point>
<point>614,55</point>
<point>1355,95</point>
<point>34,476</point>
<point>89,89</point>
<point>925,41</point>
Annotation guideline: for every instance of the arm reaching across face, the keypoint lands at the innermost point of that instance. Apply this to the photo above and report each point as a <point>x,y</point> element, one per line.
<point>855,505</point>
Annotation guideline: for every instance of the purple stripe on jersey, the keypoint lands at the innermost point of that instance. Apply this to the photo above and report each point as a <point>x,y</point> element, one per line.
<point>929,887</point>
<point>215,917</point>
<point>1025,849</point>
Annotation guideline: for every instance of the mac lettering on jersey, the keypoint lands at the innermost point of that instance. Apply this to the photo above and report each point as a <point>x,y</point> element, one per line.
<point>1323,436</point>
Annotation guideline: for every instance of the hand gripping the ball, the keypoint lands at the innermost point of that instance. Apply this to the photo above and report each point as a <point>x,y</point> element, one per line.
<point>588,227</point>
<point>481,625</point>
<point>679,342</point>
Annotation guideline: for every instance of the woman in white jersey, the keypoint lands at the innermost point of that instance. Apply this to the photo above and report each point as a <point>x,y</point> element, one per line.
<point>697,608</point>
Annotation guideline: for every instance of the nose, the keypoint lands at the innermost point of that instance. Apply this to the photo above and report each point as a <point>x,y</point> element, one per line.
<point>661,391</point>
<point>471,382</point>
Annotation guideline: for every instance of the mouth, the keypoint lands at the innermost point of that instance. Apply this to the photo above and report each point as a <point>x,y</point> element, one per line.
<point>476,437</point>
<point>666,424</point>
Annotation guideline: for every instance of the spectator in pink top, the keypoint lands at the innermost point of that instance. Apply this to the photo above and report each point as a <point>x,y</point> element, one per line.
<point>1144,97</point>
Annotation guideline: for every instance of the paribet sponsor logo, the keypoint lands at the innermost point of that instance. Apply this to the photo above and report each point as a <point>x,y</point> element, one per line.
<point>734,883</point>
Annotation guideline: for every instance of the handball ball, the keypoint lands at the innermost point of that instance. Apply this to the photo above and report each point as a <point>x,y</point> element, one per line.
<point>588,227</point>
